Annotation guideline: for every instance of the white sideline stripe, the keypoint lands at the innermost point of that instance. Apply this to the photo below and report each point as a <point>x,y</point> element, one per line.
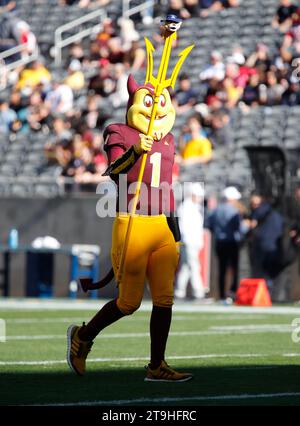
<point>256,327</point>
<point>212,332</point>
<point>145,358</point>
<point>128,359</point>
<point>179,399</point>
<point>41,320</point>
<point>189,307</point>
<point>80,319</point>
<point>135,318</point>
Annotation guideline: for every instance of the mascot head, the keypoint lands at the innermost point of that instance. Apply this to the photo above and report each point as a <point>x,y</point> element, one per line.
<point>139,107</point>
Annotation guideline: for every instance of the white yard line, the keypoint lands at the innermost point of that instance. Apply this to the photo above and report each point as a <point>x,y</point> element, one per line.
<point>42,320</point>
<point>145,358</point>
<point>178,399</point>
<point>77,305</point>
<point>210,332</point>
<point>256,327</point>
<point>49,320</point>
<point>67,320</point>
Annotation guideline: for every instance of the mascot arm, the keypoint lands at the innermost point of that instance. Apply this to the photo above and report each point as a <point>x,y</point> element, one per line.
<point>120,161</point>
<point>174,226</point>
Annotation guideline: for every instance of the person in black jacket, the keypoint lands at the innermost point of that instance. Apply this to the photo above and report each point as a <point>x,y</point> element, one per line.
<point>265,239</point>
<point>293,213</point>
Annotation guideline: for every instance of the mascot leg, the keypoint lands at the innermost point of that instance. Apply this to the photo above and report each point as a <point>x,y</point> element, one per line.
<point>161,271</point>
<point>160,323</point>
<point>109,314</point>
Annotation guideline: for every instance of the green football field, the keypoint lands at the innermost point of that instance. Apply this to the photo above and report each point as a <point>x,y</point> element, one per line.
<point>239,356</point>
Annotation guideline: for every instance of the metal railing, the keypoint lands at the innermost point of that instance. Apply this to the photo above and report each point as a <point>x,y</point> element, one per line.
<point>5,68</point>
<point>60,43</point>
<point>127,11</point>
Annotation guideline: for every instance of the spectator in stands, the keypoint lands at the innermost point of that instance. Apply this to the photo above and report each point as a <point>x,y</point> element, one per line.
<point>190,214</point>
<point>67,2</point>
<point>215,70</point>
<point>24,35</point>
<point>271,93</point>
<point>290,53</point>
<point>94,52</point>
<point>75,79</point>
<point>232,93</point>
<point>107,32</point>
<point>185,96</point>
<point>221,134</point>
<point>15,32</point>
<point>116,52</point>
<point>7,39</point>
<point>103,83</point>
<point>239,74</point>
<point>228,228</point>
<point>63,154</point>
<point>260,59</point>
<point>291,96</point>
<point>237,55</point>
<point>91,169</point>
<point>34,74</point>
<point>192,6</point>
<point>36,114</point>
<point>293,33</point>
<point>135,57</point>
<point>208,6</point>
<point>84,3</point>
<point>283,17</point>
<point>61,129</point>
<point>176,7</point>
<point>59,99</point>
<point>7,117</point>
<point>76,52</point>
<point>16,101</point>
<point>7,6</point>
<point>93,3</point>
<point>120,95</point>
<point>251,95</point>
<point>128,33</point>
<point>195,147</point>
<point>265,239</point>
<point>291,247</point>
<point>93,115</point>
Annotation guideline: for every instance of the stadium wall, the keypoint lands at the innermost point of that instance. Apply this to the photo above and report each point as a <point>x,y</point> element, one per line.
<point>70,220</point>
<point>73,220</point>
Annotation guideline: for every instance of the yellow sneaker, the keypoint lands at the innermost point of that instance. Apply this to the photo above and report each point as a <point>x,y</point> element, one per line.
<point>78,350</point>
<point>164,373</point>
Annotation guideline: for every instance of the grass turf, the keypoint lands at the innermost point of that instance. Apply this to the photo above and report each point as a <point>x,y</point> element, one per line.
<point>231,354</point>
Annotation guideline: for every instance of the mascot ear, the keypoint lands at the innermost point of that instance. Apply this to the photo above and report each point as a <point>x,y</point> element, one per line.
<point>131,85</point>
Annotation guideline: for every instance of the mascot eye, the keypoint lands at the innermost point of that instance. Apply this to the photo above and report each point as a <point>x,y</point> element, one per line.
<point>148,101</point>
<point>162,100</point>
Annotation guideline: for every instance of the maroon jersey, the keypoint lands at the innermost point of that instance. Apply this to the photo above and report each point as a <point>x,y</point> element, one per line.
<point>156,194</point>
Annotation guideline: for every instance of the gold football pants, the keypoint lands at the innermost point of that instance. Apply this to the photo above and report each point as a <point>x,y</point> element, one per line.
<point>151,254</point>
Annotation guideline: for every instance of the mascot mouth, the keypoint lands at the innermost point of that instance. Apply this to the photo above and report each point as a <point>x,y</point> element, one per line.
<point>157,118</point>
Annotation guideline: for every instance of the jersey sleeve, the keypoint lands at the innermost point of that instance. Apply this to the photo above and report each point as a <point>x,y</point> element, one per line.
<point>120,157</point>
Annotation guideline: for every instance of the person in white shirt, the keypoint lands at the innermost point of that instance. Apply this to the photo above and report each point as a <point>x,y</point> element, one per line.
<point>215,70</point>
<point>60,98</point>
<point>120,96</point>
<point>190,215</point>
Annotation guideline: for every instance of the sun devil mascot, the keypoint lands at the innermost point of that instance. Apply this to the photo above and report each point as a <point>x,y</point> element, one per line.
<point>145,232</point>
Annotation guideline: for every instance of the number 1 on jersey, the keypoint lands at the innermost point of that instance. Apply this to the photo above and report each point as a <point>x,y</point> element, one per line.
<point>155,160</point>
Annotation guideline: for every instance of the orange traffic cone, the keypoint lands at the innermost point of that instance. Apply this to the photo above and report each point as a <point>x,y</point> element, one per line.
<point>253,292</point>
